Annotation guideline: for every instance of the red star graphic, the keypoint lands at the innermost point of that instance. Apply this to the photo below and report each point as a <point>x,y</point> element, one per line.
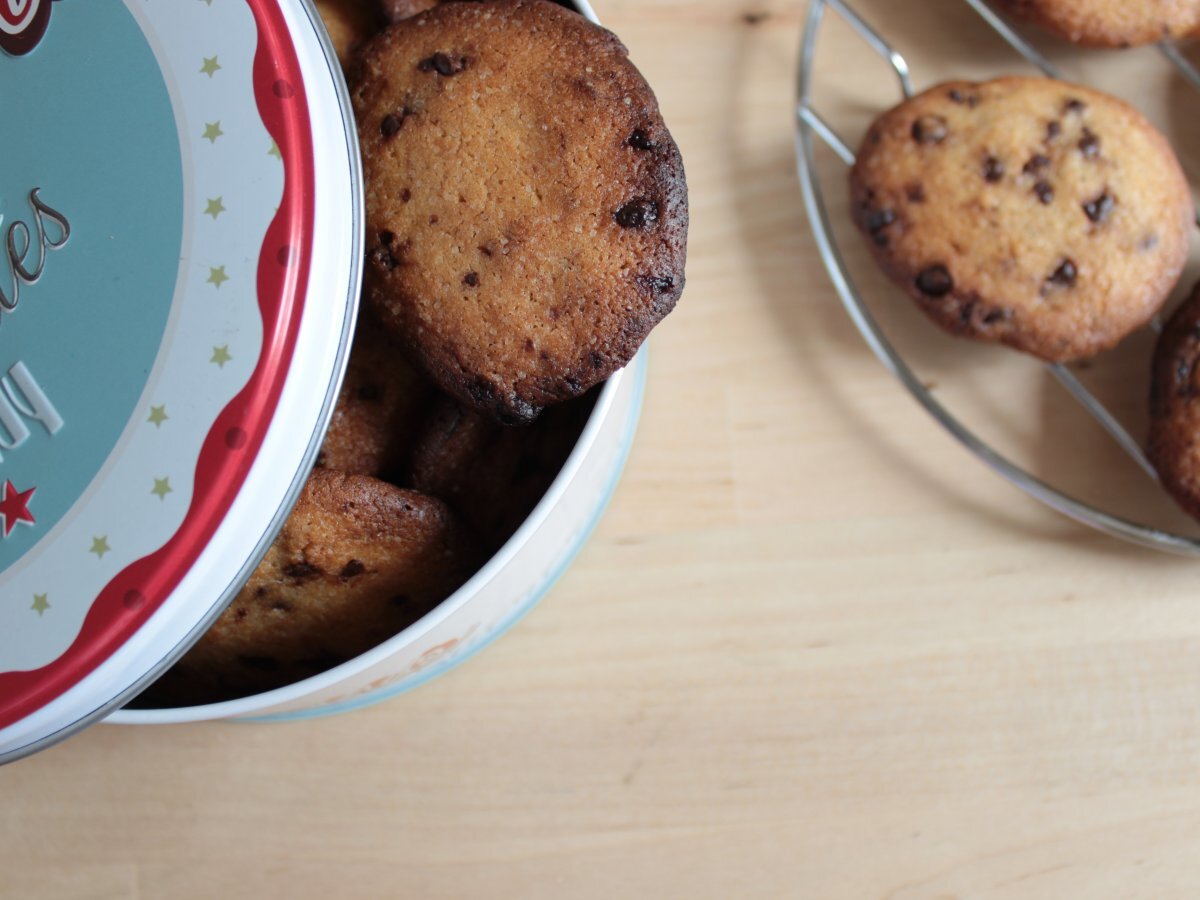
<point>15,507</point>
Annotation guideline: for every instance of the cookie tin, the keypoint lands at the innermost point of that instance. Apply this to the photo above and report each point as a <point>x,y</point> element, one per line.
<point>180,235</point>
<point>482,609</point>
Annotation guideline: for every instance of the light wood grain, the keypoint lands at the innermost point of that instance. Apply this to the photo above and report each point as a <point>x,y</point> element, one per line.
<point>814,649</point>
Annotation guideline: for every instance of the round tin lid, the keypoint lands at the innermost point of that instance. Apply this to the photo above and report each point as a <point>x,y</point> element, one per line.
<point>180,231</point>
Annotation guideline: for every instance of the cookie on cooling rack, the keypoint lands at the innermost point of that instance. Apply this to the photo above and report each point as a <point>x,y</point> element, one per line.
<point>1174,444</point>
<point>1110,23</point>
<point>1025,211</point>
<point>356,561</point>
<point>526,207</point>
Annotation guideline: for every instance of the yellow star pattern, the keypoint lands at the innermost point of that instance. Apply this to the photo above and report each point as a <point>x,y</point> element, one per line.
<point>100,546</point>
<point>40,603</point>
<point>215,207</point>
<point>162,487</point>
<point>212,131</point>
<point>273,150</point>
<point>158,415</point>
<point>217,276</point>
<point>221,356</point>
<point>210,66</point>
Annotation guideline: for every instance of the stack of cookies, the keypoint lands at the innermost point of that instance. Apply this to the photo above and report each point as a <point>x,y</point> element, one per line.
<point>526,220</point>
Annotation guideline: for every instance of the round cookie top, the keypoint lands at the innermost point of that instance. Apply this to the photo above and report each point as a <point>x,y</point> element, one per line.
<point>526,206</point>
<point>1030,212</point>
<point>1111,23</point>
<point>1174,444</point>
<point>357,561</point>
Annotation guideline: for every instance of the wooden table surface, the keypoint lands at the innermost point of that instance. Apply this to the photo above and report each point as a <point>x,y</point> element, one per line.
<point>814,649</point>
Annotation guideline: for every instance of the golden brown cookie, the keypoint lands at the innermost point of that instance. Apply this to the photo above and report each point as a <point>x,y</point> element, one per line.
<point>493,475</point>
<point>1174,444</point>
<point>1030,212</point>
<point>357,561</point>
<point>382,403</point>
<point>1110,23</point>
<point>526,206</point>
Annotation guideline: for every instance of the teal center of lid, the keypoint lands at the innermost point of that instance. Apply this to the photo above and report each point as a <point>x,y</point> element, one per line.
<point>87,123</point>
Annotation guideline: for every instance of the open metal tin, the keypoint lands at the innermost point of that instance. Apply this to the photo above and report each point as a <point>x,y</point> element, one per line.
<point>187,265</point>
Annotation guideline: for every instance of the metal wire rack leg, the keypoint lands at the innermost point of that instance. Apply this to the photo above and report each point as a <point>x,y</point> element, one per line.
<point>809,123</point>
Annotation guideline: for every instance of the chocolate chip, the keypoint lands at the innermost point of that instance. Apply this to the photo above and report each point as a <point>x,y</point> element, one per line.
<point>639,140</point>
<point>993,170</point>
<point>1053,130</point>
<point>956,96</point>
<point>1074,105</point>
<point>915,193</point>
<point>405,195</point>
<point>471,279</point>
<point>929,130</point>
<point>877,221</point>
<point>1089,144</point>
<point>1183,373</point>
<point>386,238</point>
<point>596,360</point>
<point>935,281</point>
<point>393,122</point>
<point>1036,163</point>
<point>443,64</point>
<point>658,284</point>
<point>300,570</point>
<point>1098,210</point>
<point>1044,191</point>
<point>240,613</point>
<point>352,568</point>
<point>383,258</point>
<point>640,213</point>
<point>1064,275</point>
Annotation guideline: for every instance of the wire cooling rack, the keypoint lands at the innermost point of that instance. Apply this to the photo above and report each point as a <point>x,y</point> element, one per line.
<point>810,125</point>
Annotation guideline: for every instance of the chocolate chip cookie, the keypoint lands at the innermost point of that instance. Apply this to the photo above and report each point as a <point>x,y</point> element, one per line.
<point>1110,23</point>
<point>493,475</point>
<point>1029,212</point>
<point>526,207</point>
<point>357,561</point>
<point>1174,444</point>
<point>379,410</point>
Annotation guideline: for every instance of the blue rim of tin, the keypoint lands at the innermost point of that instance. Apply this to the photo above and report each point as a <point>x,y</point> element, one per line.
<point>523,609</point>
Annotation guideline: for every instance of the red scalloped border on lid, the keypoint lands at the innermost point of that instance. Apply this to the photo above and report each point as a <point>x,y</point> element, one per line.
<point>233,442</point>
